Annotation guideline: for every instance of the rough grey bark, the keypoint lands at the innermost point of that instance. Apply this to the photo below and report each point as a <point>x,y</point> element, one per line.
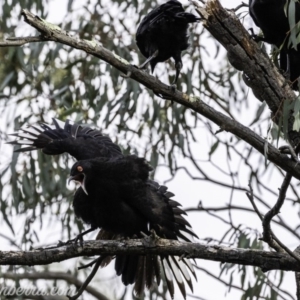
<point>264,259</point>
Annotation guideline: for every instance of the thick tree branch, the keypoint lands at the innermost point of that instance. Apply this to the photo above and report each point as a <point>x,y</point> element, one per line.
<point>265,260</point>
<point>245,55</point>
<point>51,32</point>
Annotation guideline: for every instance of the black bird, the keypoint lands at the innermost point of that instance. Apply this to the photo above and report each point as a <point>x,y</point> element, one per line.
<point>270,17</point>
<point>162,34</point>
<point>116,195</point>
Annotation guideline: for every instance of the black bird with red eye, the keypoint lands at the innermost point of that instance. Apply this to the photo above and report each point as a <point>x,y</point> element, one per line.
<point>117,196</point>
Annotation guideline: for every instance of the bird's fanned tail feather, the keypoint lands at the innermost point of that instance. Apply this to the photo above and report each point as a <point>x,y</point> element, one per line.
<point>145,270</point>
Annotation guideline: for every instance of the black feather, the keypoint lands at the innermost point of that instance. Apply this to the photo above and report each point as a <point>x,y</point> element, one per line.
<point>270,16</point>
<point>162,34</point>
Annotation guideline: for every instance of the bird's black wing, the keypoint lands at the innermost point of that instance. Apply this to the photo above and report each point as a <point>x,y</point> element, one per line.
<point>125,202</point>
<point>252,12</point>
<point>168,221</point>
<point>154,17</point>
<point>166,218</point>
<point>158,23</point>
<point>80,142</point>
<point>271,17</point>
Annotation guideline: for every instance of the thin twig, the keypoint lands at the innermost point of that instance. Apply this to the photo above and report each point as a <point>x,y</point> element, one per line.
<point>89,264</point>
<point>271,242</point>
<point>267,235</point>
<point>235,207</point>
<point>19,41</point>
<point>278,244</point>
<point>240,6</point>
<point>10,240</point>
<point>88,280</point>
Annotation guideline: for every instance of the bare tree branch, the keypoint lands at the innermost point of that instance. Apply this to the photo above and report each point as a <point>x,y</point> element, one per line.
<point>87,281</point>
<point>265,260</point>
<point>230,285</point>
<point>240,6</point>
<point>15,41</point>
<point>280,222</point>
<point>267,232</point>
<point>274,242</point>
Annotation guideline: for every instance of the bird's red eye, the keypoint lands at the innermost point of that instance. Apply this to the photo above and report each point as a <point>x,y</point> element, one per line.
<point>79,168</point>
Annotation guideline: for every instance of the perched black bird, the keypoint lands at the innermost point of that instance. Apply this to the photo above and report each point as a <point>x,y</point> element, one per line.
<point>117,196</point>
<point>163,34</point>
<point>270,16</point>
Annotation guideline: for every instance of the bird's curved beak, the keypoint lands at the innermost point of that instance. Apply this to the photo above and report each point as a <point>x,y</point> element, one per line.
<point>79,178</point>
<point>71,178</point>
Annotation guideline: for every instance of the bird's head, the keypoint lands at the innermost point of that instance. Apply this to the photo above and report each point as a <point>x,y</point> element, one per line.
<point>79,173</point>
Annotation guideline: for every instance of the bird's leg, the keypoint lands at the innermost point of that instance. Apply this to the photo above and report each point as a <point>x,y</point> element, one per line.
<point>178,66</point>
<point>153,235</point>
<point>256,37</point>
<point>252,34</point>
<point>79,237</point>
<point>150,240</point>
<point>143,65</point>
<point>288,149</point>
<point>129,71</point>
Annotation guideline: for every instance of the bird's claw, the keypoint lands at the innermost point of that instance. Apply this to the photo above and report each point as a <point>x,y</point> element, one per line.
<point>184,255</point>
<point>288,149</point>
<point>78,238</point>
<point>72,241</point>
<point>173,87</point>
<point>254,36</point>
<point>129,71</point>
<point>127,75</point>
<point>153,235</point>
<point>61,244</point>
<point>150,240</point>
